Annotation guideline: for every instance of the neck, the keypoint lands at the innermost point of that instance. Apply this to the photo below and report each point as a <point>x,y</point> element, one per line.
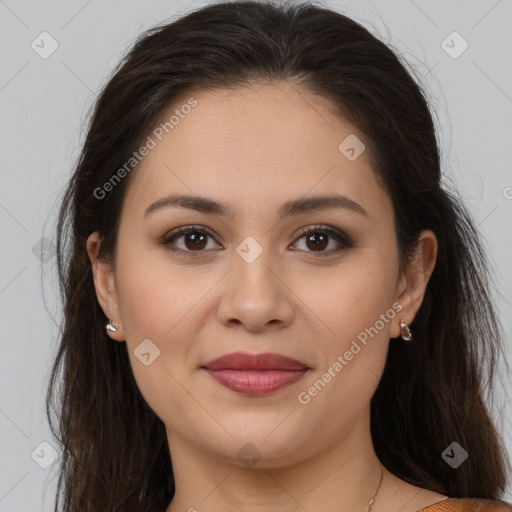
<point>341,477</point>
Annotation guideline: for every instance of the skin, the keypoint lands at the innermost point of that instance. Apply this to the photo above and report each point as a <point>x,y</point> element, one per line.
<point>253,149</point>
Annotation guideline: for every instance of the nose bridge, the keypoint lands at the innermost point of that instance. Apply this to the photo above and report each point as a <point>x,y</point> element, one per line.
<point>253,294</point>
<point>253,261</point>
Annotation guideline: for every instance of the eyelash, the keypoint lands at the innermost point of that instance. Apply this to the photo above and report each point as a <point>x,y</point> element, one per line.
<point>343,239</point>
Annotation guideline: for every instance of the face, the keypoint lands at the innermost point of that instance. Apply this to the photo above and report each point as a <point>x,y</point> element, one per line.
<point>253,280</point>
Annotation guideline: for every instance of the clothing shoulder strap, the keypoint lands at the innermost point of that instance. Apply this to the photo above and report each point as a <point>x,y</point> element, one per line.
<point>468,505</point>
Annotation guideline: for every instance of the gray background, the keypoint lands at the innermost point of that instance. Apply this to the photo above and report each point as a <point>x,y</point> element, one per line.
<point>44,102</point>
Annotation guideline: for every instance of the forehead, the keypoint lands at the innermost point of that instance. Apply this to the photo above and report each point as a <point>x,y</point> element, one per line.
<point>253,144</point>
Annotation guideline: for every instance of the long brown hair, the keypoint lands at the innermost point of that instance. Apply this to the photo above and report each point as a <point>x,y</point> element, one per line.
<point>115,455</point>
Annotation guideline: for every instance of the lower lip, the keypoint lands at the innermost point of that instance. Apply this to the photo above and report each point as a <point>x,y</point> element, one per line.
<point>252,382</point>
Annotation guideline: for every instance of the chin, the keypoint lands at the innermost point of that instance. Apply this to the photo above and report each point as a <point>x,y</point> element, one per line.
<point>263,445</point>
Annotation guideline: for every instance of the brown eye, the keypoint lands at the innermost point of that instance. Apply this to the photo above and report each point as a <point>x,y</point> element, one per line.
<point>317,239</point>
<point>195,239</point>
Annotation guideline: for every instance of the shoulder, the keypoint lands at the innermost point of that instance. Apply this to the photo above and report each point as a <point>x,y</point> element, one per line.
<point>468,505</point>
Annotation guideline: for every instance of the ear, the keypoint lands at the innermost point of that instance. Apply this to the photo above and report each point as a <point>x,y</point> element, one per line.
<point>414,280</point>
<point>104,283</point>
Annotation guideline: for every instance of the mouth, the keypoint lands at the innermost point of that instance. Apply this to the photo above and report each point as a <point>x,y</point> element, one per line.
<point>256,382</point>
<point>255,374</point>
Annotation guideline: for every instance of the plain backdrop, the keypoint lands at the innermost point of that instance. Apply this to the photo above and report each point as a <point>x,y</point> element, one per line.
<point>459,50</point>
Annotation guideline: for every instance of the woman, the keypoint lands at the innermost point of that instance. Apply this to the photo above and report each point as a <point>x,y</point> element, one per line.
<point>270,302</point>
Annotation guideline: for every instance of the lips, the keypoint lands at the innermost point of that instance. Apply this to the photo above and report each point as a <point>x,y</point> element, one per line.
<point>247,361</point>
<point>255,374</point>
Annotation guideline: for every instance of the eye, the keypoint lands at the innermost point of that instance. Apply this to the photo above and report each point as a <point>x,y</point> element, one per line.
<point>195,240</point>
<point>317,238</point>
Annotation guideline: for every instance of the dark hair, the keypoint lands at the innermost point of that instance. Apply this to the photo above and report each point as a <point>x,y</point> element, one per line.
<point>115,453</point>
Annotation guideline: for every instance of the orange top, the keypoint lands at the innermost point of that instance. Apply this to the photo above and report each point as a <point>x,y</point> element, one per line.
<point>468,505</point>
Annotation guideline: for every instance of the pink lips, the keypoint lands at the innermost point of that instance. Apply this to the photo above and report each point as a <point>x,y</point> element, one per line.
<point>255,374</point>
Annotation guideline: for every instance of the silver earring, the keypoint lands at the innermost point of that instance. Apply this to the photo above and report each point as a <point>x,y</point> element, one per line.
<point>110,327</point>
<point>406,334</point>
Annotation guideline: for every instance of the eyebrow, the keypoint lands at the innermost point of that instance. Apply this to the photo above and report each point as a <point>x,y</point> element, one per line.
<point>289,208</point>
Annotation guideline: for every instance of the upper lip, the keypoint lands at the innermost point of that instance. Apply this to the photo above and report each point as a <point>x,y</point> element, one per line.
<point>247,361</point>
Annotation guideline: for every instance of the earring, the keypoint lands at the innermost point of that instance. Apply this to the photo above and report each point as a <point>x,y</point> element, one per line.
<point>110,327</point>
<point>406,334</point>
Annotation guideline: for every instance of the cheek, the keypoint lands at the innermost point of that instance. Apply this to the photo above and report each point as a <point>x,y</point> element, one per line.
<point>156,311</point>
<point>353,298</point>
<point>156,297</point>
<point>158,303</point>
<point>354,337</point>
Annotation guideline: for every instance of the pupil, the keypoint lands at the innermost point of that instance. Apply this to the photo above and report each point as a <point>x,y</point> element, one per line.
<point>196,239</point>
<point>318,240</point>
<point>318,243</point>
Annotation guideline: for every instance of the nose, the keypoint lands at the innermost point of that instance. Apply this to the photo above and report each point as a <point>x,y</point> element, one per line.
<point>255,295</point>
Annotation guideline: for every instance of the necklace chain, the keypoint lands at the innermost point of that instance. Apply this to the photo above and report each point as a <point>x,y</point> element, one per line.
<point>370,504</point>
